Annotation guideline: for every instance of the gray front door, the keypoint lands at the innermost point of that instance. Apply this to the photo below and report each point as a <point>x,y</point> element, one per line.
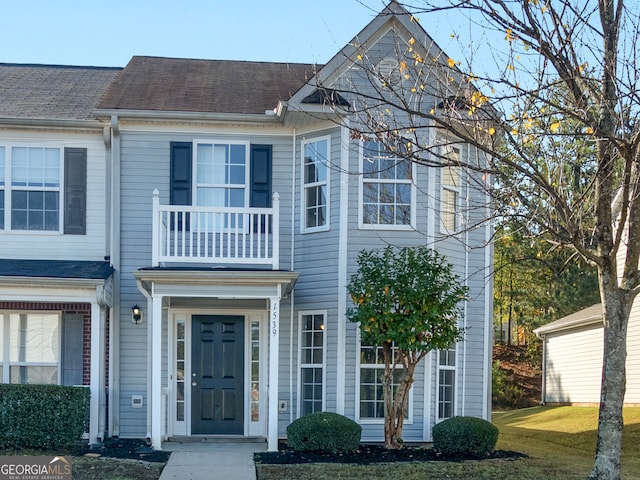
<point>217,383</point>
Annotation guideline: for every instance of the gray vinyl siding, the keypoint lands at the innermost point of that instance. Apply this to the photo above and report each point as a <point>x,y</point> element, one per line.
<point>145,167</point>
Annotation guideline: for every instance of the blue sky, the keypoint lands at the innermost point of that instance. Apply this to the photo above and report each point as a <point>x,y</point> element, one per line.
<point>109,33</point>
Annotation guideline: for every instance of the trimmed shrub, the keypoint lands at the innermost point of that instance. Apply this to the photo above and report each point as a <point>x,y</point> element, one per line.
<point>324,431</point>
<point>42,416</point>
<point>469,436</point>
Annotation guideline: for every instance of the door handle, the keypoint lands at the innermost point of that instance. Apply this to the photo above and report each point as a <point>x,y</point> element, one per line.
<point>194,384</point>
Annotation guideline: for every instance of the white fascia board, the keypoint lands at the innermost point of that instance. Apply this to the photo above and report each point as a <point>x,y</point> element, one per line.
<point>580,322</point>
<point>152,115</point>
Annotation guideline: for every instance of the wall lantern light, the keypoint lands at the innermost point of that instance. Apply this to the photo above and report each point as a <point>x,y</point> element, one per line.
<point>136,314</point>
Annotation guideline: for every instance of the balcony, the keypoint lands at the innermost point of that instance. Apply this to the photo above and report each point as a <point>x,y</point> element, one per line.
<point>216,235</point>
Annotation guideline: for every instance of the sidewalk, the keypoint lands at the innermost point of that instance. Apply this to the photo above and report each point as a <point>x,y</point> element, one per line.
<point>211,460</point>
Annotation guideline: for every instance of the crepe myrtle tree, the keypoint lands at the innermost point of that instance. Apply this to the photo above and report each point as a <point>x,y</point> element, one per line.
<point>406,301</point>
<point>528,72</point>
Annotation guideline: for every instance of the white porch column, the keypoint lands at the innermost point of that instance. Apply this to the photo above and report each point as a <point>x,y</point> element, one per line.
<point>274,350</point>
<point>155,402</point>
<point>97,385</point>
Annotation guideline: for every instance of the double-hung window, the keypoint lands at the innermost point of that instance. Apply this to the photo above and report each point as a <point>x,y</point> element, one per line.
<point>446,383</point>
<point>32,197</point>
<point>35,188</point>
<point>221,174</point>
<point>388,193</point>
<point>315,185</point>
<point>312,326</point>
<point>30,347</point>
<point>371,382</point>
<point>450,173</point>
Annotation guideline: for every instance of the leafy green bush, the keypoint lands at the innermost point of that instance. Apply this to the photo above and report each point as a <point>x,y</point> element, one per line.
<point>469,436</point>
<point>42,416</point>
<point>324,431</point>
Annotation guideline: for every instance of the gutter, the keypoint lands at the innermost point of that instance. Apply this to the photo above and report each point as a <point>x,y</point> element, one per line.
<point>545,329</point>
<point>48,123</point>
<point>202,116</point>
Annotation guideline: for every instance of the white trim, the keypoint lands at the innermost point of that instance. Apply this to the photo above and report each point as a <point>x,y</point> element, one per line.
<point>274,352</point>
<point>370,420</point>
<point>446,150</point>
<point>343,239</point>
<point>155,307</point>
<point>96,425</point>
<point>412,182</point>
<point>5,359</point>
<point>8,187</point>
<point>323,365</point>
<point>428,397</point>
<point>456,376</point>
<point>194,170</point>
<point>327,183</point>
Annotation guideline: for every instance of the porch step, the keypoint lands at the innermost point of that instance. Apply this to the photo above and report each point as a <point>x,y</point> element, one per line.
<point>214,439</point>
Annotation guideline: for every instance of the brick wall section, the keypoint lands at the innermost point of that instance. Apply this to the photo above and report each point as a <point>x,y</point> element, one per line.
<point>77,308</point>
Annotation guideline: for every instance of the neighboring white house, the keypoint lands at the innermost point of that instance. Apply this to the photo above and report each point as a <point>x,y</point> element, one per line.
<point>55,273</point>
<point>572,352</point>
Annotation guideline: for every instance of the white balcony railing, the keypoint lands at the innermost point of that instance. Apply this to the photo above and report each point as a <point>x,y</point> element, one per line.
<point>220,235</point>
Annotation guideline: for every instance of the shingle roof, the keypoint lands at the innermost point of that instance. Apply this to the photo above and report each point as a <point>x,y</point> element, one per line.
<point>209,86</point>
<point>52,91</point>
<point>586,316</point>
<point>77,269</point>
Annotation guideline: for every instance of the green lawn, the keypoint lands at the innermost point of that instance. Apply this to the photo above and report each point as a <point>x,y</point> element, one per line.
<point>560,442</point>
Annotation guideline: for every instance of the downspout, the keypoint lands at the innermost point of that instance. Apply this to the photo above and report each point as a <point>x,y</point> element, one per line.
<point>467,223</point>
<point>341,361</point>
<point>543,399</point>
<point>430,361</point>
<point>488,312</point>
<point>114,245</point>
<point>292,263</point>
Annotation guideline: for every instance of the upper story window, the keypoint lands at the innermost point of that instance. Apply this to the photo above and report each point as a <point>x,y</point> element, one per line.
<point>388,191</point>
<point>450,174</point>
<point>222,174</point>
<point>315,185</point>
<point>31,194</point>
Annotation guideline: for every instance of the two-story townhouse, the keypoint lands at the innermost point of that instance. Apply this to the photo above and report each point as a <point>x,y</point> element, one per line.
<point>242,203</point>
<point>55,274</point>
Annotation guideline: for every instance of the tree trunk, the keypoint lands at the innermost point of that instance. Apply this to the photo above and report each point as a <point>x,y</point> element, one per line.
<point>616,309</point>
<point>395,407</point>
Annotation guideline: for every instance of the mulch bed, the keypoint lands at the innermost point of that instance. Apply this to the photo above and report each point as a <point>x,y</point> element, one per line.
<point>368,454</point>
<point>128,448</point>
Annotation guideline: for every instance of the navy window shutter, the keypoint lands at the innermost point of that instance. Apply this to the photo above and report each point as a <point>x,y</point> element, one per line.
<point>75,191</point>
<point>260,176</point>
<point>180,177</point>
<point>181,164</point>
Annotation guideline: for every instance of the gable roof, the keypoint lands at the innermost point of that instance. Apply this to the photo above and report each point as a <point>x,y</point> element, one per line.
<point>206,86</point>
<point>393,16</point>
<point>587,316</point>
<point>52,91</point>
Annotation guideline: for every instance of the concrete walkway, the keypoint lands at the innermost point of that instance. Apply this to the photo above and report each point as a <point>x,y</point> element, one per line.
<point>211,460</point>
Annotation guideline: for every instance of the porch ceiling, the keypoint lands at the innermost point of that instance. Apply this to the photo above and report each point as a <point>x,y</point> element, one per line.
<point>215,282</point>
